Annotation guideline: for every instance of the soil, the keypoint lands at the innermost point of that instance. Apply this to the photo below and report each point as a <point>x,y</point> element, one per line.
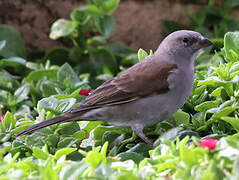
<point>139,22</point>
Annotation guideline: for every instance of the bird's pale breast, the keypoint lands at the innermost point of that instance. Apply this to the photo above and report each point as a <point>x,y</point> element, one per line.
<point>151,109</point>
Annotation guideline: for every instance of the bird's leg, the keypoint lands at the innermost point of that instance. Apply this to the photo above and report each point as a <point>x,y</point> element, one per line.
<point>139,131</point>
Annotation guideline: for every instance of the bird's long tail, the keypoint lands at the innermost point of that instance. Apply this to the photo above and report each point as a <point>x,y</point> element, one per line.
<point>67,117</point>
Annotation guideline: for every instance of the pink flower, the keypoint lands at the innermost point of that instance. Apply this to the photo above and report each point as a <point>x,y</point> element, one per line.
<point>84,92</point>
<point>3,115</point>
<point>166,176</point>
<point>209,143</point>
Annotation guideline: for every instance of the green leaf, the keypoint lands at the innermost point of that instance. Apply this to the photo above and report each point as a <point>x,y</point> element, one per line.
<point>140,148</point>
<point>100,130</point>
<point>235,169</point>
<point>52,140</point>
<point>4,98</point>
<point>22,92</point>
<point>233,121</point>
<point>103,150</point>
<point>62,28</point>
<point>211,80</point>
<point>13,61</point>
<point>14,46</point>
<point>234,68</point>
<point>108,136</point>
<point>92,10</point>
<point>74,94</point>
<point>103,61</point>
<point>49,172</point>
<point>64,152</point>
<point>181,117</point>
<point>95,158</point>
<point>224,112</point>
<point>2,44</point>
<point>104,77</point>
<point>213,172</point>
<point>142,54</point>
<point>165,125</point>
<point>8,82</point>
<point>231,45</point>
<point>4,137</point>
<point>23,111</point>
<point>188,155</point>
<point>67,142</point>
<point>104,170</point>
<point>199,90</point>
<point>106,25</point>
<point>229,148</point>
<point>206,105</point>
<point>67,76</point>
<point>80,135</point>
<point>217,92</point>
<point>80,16</point>
<point>9,121</point>
<point>170,134</point>
<point>231,3</point>
<point>21,127</point>
<point>89,125</point>
<point>96,40</point>
<point>55,105</point>
<point>38,75</point>
<point>49,88</point>
<point>69,128</point>
<point>38,153</point>
<point>33,66</point>
<point>151,52</point>
<point>58,55</point>
<point>189,133</point>
<point>131,156</point>
<point>73,170</point>
<point>109,6</point>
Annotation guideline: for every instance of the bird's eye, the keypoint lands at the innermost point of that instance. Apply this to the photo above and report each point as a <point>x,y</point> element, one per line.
<point>185,40</point>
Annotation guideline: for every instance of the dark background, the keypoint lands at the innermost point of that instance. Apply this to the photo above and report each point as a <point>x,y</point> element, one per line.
<point>139,22</point>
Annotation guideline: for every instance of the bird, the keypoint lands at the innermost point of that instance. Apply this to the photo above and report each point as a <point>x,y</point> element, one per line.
<point>144,94</point>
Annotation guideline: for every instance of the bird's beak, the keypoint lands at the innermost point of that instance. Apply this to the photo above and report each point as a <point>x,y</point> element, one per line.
<point>204,42</point>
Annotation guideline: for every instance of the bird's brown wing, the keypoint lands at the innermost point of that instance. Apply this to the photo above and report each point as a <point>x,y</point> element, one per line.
<point>142,79</point>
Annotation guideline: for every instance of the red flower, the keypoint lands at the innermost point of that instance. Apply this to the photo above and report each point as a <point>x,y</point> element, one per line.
<point>209,143</point>
<point>84,92</point>
<point>166,176</point>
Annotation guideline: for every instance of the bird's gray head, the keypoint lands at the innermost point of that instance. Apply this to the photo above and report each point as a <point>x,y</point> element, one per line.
<point>183,43</point>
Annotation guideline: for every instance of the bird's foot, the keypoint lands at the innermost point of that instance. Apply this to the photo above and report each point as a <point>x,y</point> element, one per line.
<point>139,131</point>
<point>148,141</point>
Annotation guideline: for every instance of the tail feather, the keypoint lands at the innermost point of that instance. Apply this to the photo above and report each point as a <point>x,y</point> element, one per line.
<point>58,119</point>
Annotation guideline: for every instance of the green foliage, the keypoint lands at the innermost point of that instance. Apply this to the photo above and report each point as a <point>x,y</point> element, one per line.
<point>90,54</point>
<point>11,44</point>
<point>180,160</point>
<point>142,54</point>
<point>212,20</point>
<point>214,100</point>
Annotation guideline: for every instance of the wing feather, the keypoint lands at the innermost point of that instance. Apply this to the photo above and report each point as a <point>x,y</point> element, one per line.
<point>143,79</point>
